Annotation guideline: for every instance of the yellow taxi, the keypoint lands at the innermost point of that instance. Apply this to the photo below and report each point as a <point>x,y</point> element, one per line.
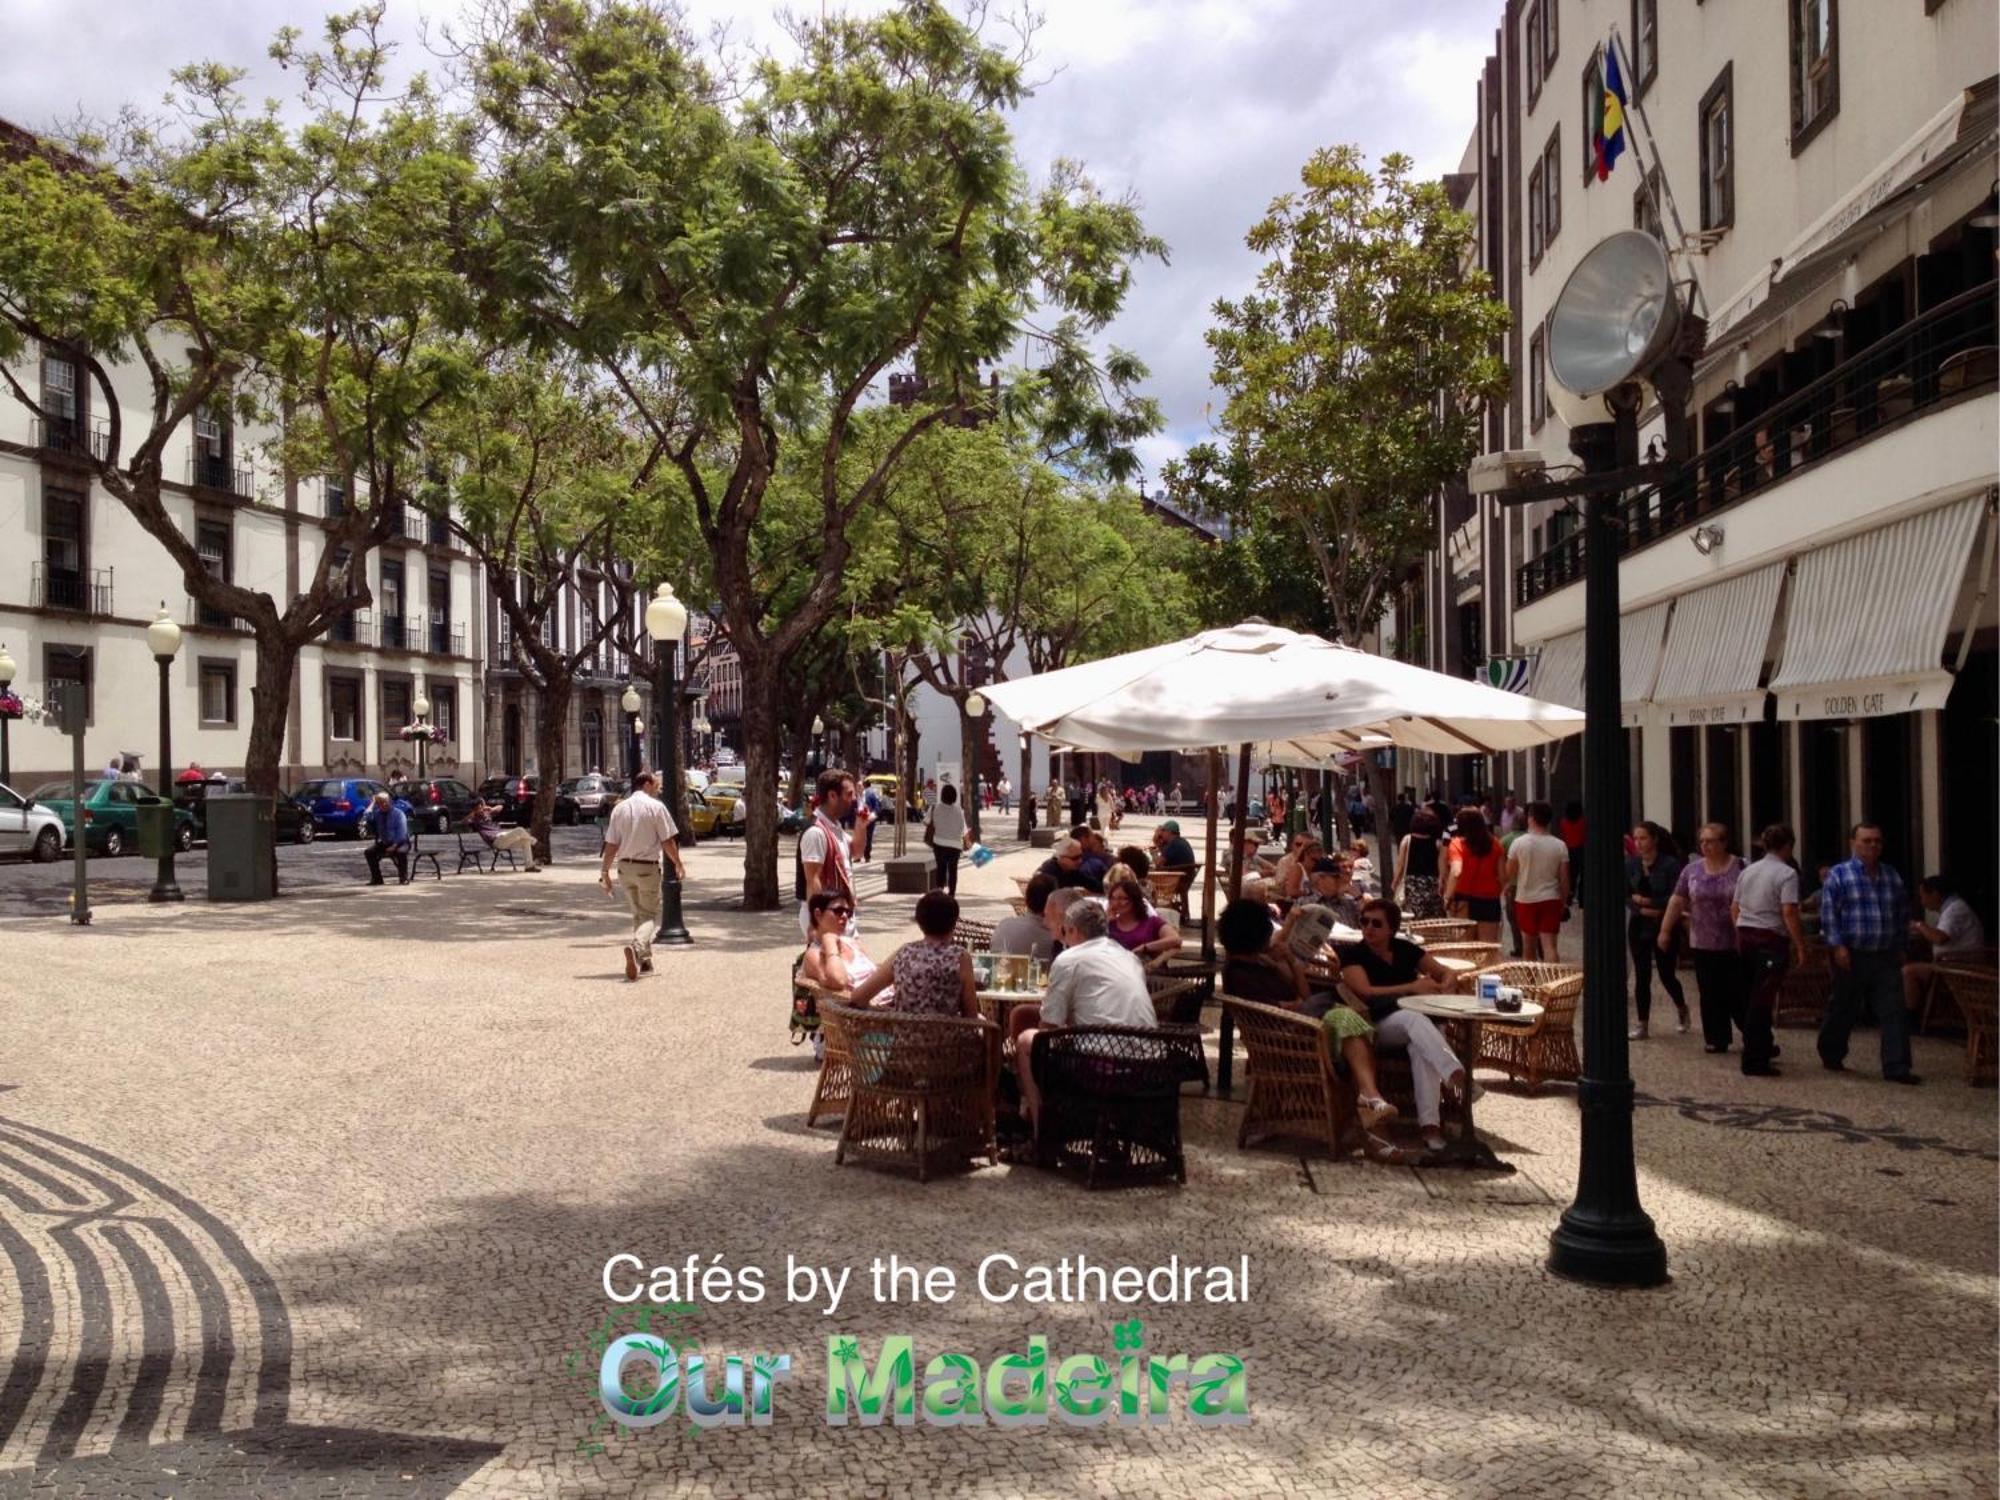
<point>885,787</point>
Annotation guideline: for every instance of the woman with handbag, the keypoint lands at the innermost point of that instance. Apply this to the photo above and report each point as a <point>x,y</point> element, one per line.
<point>948,836</point>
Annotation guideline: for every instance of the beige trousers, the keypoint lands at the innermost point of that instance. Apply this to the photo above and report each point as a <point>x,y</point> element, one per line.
<point>641,884</point>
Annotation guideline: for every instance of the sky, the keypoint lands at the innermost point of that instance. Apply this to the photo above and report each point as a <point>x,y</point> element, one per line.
<point>1204,110</point>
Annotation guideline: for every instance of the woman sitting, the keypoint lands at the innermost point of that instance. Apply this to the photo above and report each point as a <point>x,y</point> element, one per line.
<point>833,960</point>
<point>932,976</point>
<point>1382,970</point>
<point>1135,926</point>
<point>1262,968</point>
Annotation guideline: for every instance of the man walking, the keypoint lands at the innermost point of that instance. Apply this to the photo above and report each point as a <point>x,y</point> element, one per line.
<point>1538,870</point>
<point>1864,913</point>
<point>823,848</point>
<point>391,832</point>
<point>639,832</point>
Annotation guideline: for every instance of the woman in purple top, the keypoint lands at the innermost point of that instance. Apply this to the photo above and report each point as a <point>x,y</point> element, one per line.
<point>1705,895</point>
<point>932,976</point>
<point>1135,926</point>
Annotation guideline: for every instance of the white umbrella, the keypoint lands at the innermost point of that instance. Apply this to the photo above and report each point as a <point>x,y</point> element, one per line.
<point>1303,698</point>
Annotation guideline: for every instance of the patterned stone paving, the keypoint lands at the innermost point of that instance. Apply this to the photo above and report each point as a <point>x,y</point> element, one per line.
<point>313,1200</point>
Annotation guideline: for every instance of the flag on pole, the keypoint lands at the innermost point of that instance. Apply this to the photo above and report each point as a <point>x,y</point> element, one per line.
<point>1607,136</point>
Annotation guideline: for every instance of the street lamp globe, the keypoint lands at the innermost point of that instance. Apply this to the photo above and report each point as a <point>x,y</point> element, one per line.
<point>639,727</point>
<point>819,725</point>
<point>666,616</point>
<point>630,702</point>
<point>975,705</point>
<point>421,705</point>
<point>8,667</point>
<point>163,636</point>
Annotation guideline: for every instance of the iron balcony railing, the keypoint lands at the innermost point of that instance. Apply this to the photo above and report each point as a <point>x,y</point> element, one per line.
<point>401,633</point>
<point>214,471</point>
<point>416,525</point>
<point>85,590</point>
<point>446,639</point>
<point>437,530</point>
<point>70,436</point>
<point>1946,354</point>
<point>219,619</point>
<point>351,629</point>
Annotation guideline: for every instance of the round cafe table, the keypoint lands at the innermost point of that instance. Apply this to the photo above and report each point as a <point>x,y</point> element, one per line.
<point>998,1006</point>
<point>1460,1017</point>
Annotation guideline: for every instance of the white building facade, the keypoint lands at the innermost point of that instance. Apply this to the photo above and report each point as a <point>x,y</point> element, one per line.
<point>1809,626</point>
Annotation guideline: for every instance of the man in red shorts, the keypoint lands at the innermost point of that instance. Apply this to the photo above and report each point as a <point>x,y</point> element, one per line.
<point>1538,872</point>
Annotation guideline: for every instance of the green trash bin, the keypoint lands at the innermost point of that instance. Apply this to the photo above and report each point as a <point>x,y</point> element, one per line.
<point>242,847</point>
<point>156,828</point>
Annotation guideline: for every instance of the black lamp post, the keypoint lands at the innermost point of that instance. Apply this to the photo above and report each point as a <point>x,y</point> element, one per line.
<point>163,637</point>
<point>421,706</point>
<point>975,711</point>
<point>7,671</point>
<point>635,740</point>
<point>666,623</point>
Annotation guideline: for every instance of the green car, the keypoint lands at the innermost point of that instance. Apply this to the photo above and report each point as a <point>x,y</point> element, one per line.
<point>110,815</point>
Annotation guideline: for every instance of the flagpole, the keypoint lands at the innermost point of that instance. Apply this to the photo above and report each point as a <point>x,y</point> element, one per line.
<point>1645,174</point>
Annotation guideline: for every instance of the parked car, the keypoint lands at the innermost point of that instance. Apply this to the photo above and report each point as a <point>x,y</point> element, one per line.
<point>732,813</point>
<point>339,803</point>
<point>110,814</point>
<point>585,799</point>
<point>437,802</point>
<point>885,788</point>
<point>27,827</point>
<point>293,823</point>
<point>701,819</point>
<point>512,798</point>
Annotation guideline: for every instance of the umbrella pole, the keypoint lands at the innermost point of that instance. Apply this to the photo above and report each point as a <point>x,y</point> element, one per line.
<point>1208,879</point>
<point>1239,818</point>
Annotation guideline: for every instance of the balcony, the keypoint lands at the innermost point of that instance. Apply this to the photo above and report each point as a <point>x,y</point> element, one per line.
<point>85,590</point>
<point>400,633</point>
<point>1942,357</point>
<point>214,471</point>
<point>353,629</point>
<point>445,640</point>
<point>216,619</point>
<point>415,525</point>
<point>437,530</point>
<point>71,439</point>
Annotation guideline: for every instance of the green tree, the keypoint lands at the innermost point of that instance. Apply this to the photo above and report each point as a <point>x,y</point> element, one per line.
<point>762,249</point>
<point>254,271</point>
<point>1355,375</point>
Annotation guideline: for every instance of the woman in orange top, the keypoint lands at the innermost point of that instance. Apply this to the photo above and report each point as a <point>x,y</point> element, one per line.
<point>1473,876</point>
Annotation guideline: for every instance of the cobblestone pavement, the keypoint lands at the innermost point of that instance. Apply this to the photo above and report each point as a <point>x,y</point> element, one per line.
<point>315,1198</point>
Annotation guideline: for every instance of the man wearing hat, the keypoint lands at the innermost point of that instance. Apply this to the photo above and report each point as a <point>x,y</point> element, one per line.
<point>1173,852</point>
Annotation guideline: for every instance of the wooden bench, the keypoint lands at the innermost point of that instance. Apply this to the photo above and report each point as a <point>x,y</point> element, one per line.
<point>473,852</point>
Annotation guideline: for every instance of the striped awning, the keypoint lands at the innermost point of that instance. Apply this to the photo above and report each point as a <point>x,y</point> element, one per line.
<point>1869,616</point>
<point>1715,650</point>
<point>1641,633</point>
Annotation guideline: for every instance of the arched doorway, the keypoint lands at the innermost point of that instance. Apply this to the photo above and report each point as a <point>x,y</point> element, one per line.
<point>593,740</point>
<point>510,741</point>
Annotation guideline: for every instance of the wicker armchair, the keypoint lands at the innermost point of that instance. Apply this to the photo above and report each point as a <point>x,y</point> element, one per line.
<point>1480,955</point>
<point>1975,990</point>
<point>1805,990</point>
<point>1535,1054</point>
<point>836,1063</point>
<point>1295,1090</point>
<point>1442,930</point>
<point>1111,1100</point>
<point>973,937</point>
<point>1169,888</point>
<point>921,1087</point>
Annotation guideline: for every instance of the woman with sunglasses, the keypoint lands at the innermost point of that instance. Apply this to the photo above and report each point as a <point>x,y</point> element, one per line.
<point>1381,971</point>
<point>1705,895</point>
<point>834,961</point>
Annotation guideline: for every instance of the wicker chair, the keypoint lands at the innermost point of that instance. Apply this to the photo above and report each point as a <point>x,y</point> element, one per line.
<point>1442,930</point>
<point>1295,1090</point>
<point>1111,1100</point>
<point>1480,955</point>
<point>1169,888</point>
<point>1975,990</point>
<point>836,1063</point>
<point>1805,990</point>
<point>1535,1054</point>
<point>973,937</point>
<point>921,1087</point>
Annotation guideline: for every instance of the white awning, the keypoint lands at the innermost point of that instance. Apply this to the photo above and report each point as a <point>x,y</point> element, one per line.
<point>1715,650</point>
<point>1866,627</point>
<point>1559,668</point>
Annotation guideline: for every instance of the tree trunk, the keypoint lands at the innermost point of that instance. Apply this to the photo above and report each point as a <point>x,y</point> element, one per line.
<point>796,771</point>
<point>270,706</point>
<point>968,760</point>
<point>1378,783</point>
<point>1024,826</point>
<point>760,781</point>
<point>550,733</point>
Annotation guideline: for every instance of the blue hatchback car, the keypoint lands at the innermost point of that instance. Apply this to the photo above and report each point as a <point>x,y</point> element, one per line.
<point>338,804</point>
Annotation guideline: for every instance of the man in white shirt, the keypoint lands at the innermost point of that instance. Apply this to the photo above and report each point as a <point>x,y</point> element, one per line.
<point>1026,933</point>
<point>1092,982</point>
<point>824,853</point>
<point>1538,870</point>
<point>639,832</point>
<point>1955,936</point>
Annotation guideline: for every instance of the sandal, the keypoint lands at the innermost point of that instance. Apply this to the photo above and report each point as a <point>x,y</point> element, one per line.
<point>1378,1150</point>
<point>1373,1110</point>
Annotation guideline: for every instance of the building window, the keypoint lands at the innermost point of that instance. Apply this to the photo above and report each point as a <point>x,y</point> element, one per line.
<point>69,664</point>
<point>1531,46</point>
<point>438,598</point>
<point>395,704</point>
<point>343,708</point>
<point>218,692</point>
<point>336,497</point>
<point>1815,68</point>
<point>1645,43</point>
<point>212,541</point>
<point>211,449</point>
<point>1471,635</point>
<point>1646,205</point>
<point>444,709</point>
<point>593,740</point>
<point>392,603</point>
<point>1718,154</point>
<point>1535,228</point>
<point>1538,383</point>
<point>1552,188</point>
<point>62,428</point>
<point>1593,102</point>
<point>1549,37</point>
<point>62,551</point>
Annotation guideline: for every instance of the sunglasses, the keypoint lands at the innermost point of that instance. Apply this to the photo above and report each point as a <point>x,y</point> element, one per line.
<point>841,911</point>
<point>1375,922</point>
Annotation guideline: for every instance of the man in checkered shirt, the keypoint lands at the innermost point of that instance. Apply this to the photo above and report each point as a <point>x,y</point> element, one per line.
<point>1864,917</point>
